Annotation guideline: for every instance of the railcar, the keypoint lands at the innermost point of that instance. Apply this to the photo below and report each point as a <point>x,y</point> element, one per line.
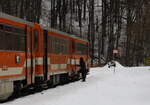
<point>31,55</point>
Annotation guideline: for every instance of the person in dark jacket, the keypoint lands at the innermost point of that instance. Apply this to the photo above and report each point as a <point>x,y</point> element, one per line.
<point>83,69</point>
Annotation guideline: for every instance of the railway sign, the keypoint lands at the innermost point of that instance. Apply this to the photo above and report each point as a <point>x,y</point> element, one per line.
<point>115,51</point>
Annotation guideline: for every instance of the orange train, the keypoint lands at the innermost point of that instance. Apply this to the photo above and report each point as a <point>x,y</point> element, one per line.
<point>31,55</point>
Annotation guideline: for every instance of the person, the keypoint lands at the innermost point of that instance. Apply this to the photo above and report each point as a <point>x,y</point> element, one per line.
<point>83,69</point>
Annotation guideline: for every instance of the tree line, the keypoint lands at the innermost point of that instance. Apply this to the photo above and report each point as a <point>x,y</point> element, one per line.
<point>26,9</point>
<point>106,24</point>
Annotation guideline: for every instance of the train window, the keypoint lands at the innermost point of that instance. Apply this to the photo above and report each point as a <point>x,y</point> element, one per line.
<point>19,30</point>
<point>2,40</point>
<point>58,45</point>
<point>65,47</point>
<point>49,43</point>
<point>1,26</point>
<point>8,28</point>
<point>35,39</point>
<point>14,29</point>
<point>28,41</point>
<point>81,49</point>
<point>22,43</point>
<point>53,45</point>
<point>11,40</point>
<point>61,46</point>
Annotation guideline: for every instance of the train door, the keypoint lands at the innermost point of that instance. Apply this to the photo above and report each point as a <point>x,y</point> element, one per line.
<point>29,69</point>
<point>45,57</point>
<point>34,50</point>
<point>32,46</point>
<point>73,53</point>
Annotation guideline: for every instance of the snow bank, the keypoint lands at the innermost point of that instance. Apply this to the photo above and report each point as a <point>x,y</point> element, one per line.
<point>118,66</point>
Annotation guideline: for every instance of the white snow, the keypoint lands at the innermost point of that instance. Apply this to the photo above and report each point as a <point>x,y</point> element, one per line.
<point>125,86</point>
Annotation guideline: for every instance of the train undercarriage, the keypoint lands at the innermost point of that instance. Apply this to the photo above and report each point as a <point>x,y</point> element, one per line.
<point>12,89</point>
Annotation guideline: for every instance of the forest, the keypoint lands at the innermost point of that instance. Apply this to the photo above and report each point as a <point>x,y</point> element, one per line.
<point>122,25</point>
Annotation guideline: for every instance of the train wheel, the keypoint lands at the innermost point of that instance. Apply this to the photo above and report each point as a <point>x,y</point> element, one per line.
<point>64,78</point>
<point>17,88</point>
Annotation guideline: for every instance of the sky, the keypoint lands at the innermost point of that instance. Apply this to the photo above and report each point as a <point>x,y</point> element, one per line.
<point>104,86</point>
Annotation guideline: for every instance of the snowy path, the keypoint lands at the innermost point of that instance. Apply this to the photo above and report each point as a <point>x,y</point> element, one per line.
<point>128,86</point>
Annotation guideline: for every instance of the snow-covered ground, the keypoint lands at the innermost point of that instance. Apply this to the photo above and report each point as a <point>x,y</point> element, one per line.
<point>125,86</point>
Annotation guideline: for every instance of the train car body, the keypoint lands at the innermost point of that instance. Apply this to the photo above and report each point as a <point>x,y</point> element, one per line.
<point>33,55</point>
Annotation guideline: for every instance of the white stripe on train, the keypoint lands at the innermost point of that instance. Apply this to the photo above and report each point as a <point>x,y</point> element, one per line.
<point>10,71</point>
<point>36,61</point>
<point>58,66</point>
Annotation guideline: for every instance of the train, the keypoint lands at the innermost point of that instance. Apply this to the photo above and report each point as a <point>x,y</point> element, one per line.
<point>31,55</point>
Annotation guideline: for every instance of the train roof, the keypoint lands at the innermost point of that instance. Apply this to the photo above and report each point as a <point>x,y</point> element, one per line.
<point>16,19</point>
<point>66,34</point>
